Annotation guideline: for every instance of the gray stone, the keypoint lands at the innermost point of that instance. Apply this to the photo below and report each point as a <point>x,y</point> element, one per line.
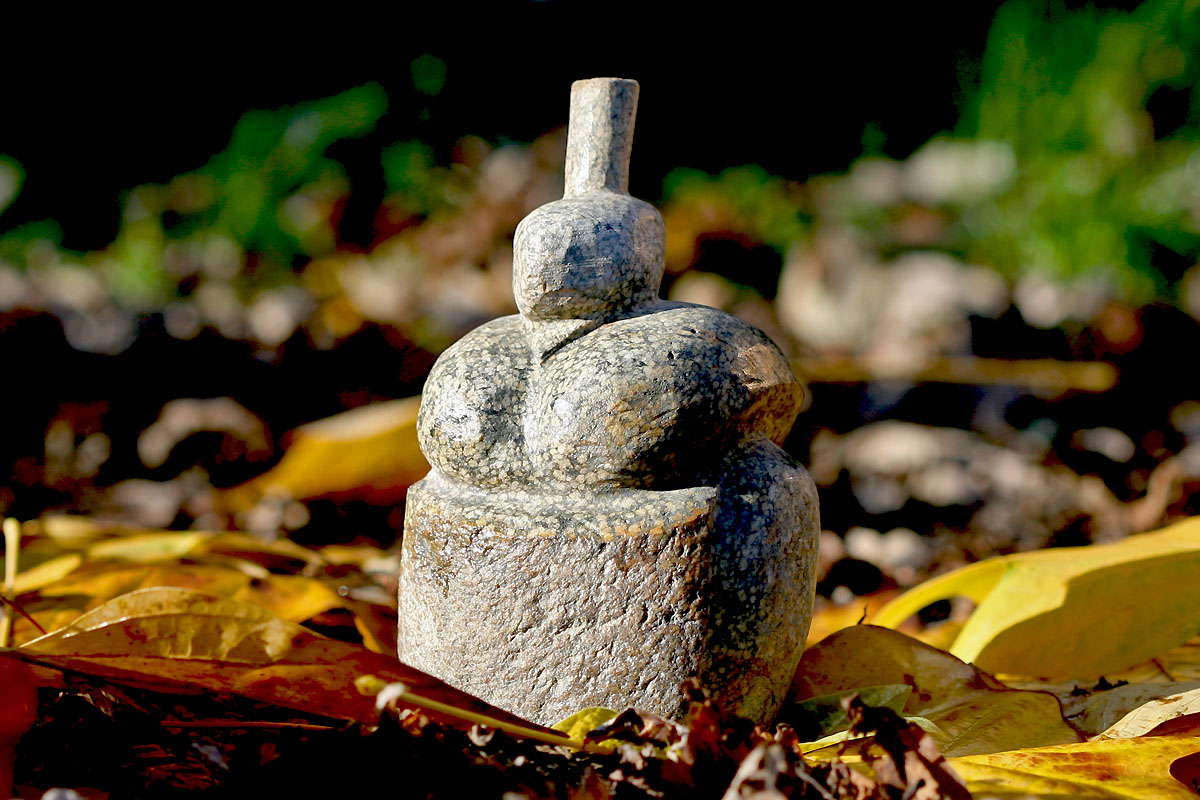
<point>609,510</point>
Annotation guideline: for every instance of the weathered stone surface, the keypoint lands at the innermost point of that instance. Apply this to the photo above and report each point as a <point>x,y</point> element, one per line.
<point>609,511</point>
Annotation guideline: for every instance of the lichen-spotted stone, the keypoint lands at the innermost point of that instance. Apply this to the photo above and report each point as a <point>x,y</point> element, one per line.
<point>609,510</point>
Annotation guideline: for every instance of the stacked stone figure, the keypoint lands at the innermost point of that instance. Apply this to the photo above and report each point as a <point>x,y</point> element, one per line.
<point>609,511</point>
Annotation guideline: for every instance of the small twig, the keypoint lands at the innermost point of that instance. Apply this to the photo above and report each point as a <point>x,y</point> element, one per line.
<point>15,607</point>
<point>1162,669</point>
<point>231,723</point>
<point>12,546</point>
<point>1037,373</point>
<point>398,693</point>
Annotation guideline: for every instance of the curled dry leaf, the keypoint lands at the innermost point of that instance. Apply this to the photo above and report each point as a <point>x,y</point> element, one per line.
<point>1093,710</point>
<point>973,712</point>
<point>1150,715</point>
<point>1072,612</point>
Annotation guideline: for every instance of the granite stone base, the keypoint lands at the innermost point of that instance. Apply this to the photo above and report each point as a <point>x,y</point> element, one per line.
<point>544,605</point>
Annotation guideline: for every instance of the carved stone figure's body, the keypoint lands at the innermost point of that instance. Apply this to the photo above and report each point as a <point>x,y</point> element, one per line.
<point>609,510</point>
<point>613,408</point>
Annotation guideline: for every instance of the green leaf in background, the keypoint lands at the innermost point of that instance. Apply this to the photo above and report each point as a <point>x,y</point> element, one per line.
<point>20,245</point>
<point>1099,190</point>
<point>756,203</point>
<point>410,174</point>
<point>262,189</point>
<point>428,74</point>
<point>272,193</point>
<point>11,178</point>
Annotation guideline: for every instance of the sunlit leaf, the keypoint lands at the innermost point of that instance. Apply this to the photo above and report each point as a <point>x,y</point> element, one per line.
<point>374,448</point>
<point>1073,612</point>
<point>68,530</point>
<point>1104,769</point>
<point>175,640</point>
<point>974,712</point>
<point>46,573</point>
<point>276,555</point>
<point>581,723</point>
<point>148,547</point>
<point>292,597</point>
<point>376,624</point>
<point>1092,708</point>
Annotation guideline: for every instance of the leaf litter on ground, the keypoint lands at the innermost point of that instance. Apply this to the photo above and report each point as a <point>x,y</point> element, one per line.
<point>201,617</point>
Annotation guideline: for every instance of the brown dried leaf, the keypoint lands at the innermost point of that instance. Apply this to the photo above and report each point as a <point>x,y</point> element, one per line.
<point>910,761</point>
<point>176,640</point>
<point>975,712</point>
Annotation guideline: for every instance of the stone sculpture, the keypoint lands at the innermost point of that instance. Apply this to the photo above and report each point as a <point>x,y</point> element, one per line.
<point>609,510</point>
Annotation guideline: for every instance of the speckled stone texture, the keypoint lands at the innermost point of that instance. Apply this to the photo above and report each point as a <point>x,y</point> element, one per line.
<point>609,511</point>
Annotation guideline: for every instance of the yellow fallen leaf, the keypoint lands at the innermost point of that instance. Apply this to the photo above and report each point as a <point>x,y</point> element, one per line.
<point>581,723</point>
<point>104,560</point>
<point>48,613</point>
<point>1104,769</point>
<point>1091,707</point>
<point>146,547</point>
<point>277,555</point>
<point>373,447</point>
<point>375,624</point>
<point>1074,611</point>
<point>972,711</point>
<point>74,531</point>
<point>1180,663</point>
<point>46,573</point>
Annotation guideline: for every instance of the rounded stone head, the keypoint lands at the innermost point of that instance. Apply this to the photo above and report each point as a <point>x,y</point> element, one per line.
<point>588,257</point>
<point>598,251</point>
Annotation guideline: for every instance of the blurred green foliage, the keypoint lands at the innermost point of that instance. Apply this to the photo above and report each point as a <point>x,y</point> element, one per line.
<point>750,201</point>
<point>1056,166</point>
<point>11,178</point>
<point>1098,187</point>
<point>428,74</point>
<point>272,194</point>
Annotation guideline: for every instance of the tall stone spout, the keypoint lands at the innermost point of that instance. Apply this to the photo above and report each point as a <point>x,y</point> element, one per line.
<point>600,135</point>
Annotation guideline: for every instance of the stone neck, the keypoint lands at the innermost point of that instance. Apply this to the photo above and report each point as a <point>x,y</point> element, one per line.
<point>547,337</point>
